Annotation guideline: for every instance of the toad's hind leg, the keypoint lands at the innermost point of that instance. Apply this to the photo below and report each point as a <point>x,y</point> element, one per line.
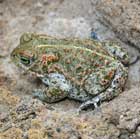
<point>112,91</point>
<point>116,51</point>
<point>117,84</point>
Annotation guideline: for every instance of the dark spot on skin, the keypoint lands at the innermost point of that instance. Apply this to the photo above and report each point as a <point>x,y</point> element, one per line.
<point>54,82</point>
<point>114,87</point>
<point>114,52</point>
<point>116,82</point>
<point>81,97</point>
<point>45,80</point>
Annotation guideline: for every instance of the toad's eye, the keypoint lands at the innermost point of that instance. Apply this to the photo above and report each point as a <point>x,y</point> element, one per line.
<point>26,57</point>
<point>24,60</point>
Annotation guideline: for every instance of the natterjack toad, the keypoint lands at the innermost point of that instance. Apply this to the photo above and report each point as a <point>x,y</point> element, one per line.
<point>85,70</point>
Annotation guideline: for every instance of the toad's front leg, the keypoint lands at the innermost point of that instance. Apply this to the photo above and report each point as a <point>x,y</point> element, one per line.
<point>57,88</point>
<point>113,90</point>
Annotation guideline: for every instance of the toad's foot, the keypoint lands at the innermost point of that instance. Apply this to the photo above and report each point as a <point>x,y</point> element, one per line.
<point>39,93</point>
<point>95,101</point>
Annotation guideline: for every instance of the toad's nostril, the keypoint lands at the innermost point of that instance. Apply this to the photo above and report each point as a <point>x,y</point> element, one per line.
<point>13,55</point>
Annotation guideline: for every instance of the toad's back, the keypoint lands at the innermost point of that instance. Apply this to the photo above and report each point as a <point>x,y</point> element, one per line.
<point>77,64</point>
<point>108,48</point>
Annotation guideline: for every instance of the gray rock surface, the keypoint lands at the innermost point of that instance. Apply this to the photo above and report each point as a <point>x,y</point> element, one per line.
<point>116,20</point>
<point>122,17</point>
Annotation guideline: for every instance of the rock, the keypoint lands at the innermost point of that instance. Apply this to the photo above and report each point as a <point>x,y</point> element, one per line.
<point>35,134</point>
<point>14,133</point>
<point>23,117</point>
<point>1,1</point>
<point>123,17</point>
<point>62,27</point>
<point>6,98</point>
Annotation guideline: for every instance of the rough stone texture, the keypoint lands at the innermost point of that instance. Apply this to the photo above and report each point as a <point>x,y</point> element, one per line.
<point>21,116</point>
<point>123,17</point>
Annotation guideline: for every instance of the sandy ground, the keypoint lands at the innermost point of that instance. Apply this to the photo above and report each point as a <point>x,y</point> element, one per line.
<point>30,118</point>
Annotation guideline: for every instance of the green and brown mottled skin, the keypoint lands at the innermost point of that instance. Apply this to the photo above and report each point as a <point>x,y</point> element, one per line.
<point>85,70</point>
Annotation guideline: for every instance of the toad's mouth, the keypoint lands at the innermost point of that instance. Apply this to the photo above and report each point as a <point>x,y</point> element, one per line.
<point>27,70</point>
